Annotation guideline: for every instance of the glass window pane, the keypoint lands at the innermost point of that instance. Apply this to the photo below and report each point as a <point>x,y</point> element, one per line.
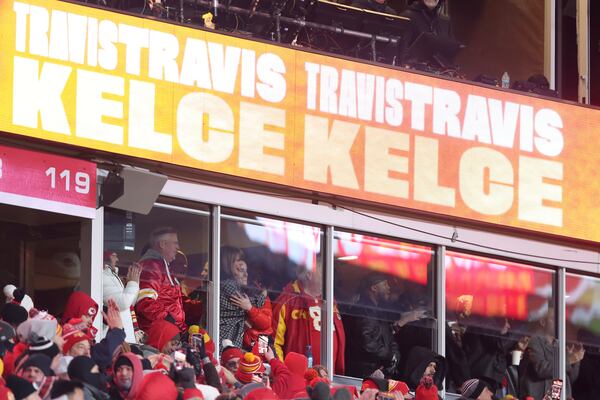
<point>183,284</point>
<point>497,312</point>
<point>384,289</point>
<point>583,335</point>
<point>271,284</point>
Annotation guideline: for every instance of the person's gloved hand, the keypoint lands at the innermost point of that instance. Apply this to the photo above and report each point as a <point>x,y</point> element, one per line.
<point>185,377</point>
<point>194,359</point>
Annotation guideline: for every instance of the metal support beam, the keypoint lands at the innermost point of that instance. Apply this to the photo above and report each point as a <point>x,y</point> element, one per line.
<point>550,29</point>
<point>583,49</point>
<point>215,286</point>
<point>440,303</point>
<point>327,350</point>
<point>561,326</point>
<point>92,247</point>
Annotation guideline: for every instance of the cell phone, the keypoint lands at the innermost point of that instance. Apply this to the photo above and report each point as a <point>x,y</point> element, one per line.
<point>263,343</point>
<point>556,389</point>
<point>196,341</point>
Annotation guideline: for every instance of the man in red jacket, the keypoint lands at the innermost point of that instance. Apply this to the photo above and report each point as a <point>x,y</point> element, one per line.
<point>297,319</point>
<point>159,297</point>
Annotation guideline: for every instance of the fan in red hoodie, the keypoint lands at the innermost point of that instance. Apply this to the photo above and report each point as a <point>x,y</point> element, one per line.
<point>81,307</point>
<point>127,377</point>
<point>297,319</point>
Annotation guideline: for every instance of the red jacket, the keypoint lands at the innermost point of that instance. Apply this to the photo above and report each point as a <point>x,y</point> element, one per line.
<point>281,379</point>
<point>297,323</point>
<point>160,293</point>
<point>260,321</point>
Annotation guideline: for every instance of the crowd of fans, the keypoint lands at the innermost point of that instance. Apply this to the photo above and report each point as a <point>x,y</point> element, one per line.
<point>153,346</point>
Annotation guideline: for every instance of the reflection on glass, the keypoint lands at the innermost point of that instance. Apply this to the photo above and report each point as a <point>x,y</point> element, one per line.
<point>172,246</point>
<point>271,284</point>
<point>583,334</point>
<point>385,294</point>
<point>500,314</point>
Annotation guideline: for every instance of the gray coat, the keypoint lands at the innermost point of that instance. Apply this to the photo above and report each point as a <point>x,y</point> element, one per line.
<point>538,369</point>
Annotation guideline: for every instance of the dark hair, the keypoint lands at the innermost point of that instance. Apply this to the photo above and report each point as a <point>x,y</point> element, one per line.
<point>63,387</point>
<point>229,255</point>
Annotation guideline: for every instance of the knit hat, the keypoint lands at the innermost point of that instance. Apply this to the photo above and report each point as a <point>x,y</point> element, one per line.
<point>250,364</point>
<point>80,369</point>
<point>8,292</point>
<point>108,253</point>
<point>122,361</point>
<point>7,332</point>
<point>230,353</point>
<point>472,388</point>
<point>14,314</point>
<point>71,336</point>
<point>33,330</point>
<point>40,361</point>
<point>297,363</point>
<point>44,346</point>
<point>20,387</point>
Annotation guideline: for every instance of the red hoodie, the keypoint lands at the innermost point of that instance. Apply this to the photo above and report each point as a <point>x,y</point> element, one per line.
<point>297,364</point>
<point>79,304</point>
<point>158,386</point>
<point>160,333</point>
<point>138,375</point>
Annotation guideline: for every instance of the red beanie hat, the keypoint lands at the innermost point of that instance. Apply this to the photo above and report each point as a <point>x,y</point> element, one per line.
<point>230,353</point>
<point>250,364</point>
<point>297,363</point>
<point>72,336</point>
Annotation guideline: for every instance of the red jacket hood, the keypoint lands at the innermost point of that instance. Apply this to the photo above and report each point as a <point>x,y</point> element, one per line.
<point>157,386</point>
<point>79,304</point>
<point>138,374</point>
<point>160,333</point>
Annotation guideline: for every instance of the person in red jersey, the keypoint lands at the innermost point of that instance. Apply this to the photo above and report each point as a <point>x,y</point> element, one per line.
<point>297,319</point>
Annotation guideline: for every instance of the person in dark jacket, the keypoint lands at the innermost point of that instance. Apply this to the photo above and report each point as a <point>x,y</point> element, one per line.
<point>371,330</point>
<point>84,370</point>
<point>487,343</point>
<point>537,368</point>
<point>424,17</point>
<point>422,362</point>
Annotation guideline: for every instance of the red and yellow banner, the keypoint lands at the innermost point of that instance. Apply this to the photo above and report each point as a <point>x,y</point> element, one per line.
<point>139,87</point>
